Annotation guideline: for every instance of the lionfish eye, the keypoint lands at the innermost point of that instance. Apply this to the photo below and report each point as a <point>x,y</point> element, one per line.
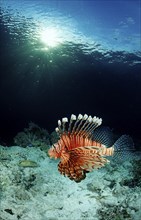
<point>54,147</point>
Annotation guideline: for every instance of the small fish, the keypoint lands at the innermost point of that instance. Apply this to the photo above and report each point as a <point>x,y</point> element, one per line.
<point>83,146</point>
<point>28,163</point>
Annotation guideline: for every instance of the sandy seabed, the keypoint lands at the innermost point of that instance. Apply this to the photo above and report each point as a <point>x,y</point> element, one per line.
<point>41,193</point>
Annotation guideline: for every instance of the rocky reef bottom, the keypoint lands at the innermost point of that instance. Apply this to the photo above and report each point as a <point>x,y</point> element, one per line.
<point>32,188</point>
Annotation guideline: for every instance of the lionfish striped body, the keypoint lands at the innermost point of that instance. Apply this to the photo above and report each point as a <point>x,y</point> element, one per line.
<point>81,146</point>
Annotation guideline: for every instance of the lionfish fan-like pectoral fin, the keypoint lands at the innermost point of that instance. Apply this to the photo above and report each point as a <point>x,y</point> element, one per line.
<point>124,148</point>
<point>103,135</point>
<point>89,165</point>
<point>72,171</point>
<point>87,160</point>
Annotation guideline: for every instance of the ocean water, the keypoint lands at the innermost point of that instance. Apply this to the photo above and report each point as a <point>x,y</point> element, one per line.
<point>59,58</point>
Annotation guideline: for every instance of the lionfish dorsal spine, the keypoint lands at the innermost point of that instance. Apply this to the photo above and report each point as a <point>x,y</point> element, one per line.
<point>80,129</point>
<point>80,125</point>
<point>64,121</point>
<point>96,122</point>
<point>73,118</point>
<point>76,123</point>
<point>86,126</point>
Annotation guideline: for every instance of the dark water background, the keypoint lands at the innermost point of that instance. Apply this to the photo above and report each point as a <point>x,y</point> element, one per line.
<point>44,87</point>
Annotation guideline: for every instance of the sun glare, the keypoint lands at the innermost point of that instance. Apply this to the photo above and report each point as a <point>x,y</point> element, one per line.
<point>51,37</point>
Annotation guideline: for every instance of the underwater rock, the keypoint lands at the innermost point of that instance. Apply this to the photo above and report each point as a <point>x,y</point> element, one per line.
<point>28,163</point>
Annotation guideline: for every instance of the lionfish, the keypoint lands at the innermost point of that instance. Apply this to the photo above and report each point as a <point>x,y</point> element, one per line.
<point>82,146</point>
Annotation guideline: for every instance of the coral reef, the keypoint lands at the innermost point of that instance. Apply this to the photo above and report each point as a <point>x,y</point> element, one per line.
<point>135,180</point>
<point>33,136</point>
<point>40,192</point>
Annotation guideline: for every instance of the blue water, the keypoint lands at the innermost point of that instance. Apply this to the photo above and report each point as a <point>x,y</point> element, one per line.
<point>64,57</point>
<point>113,24</point>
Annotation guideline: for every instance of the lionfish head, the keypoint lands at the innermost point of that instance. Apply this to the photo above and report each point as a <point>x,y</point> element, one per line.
<point>53,152</point>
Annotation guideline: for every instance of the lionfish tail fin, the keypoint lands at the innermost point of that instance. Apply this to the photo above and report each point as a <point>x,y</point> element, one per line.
<point>124,147</point>
<point>78,125</point>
